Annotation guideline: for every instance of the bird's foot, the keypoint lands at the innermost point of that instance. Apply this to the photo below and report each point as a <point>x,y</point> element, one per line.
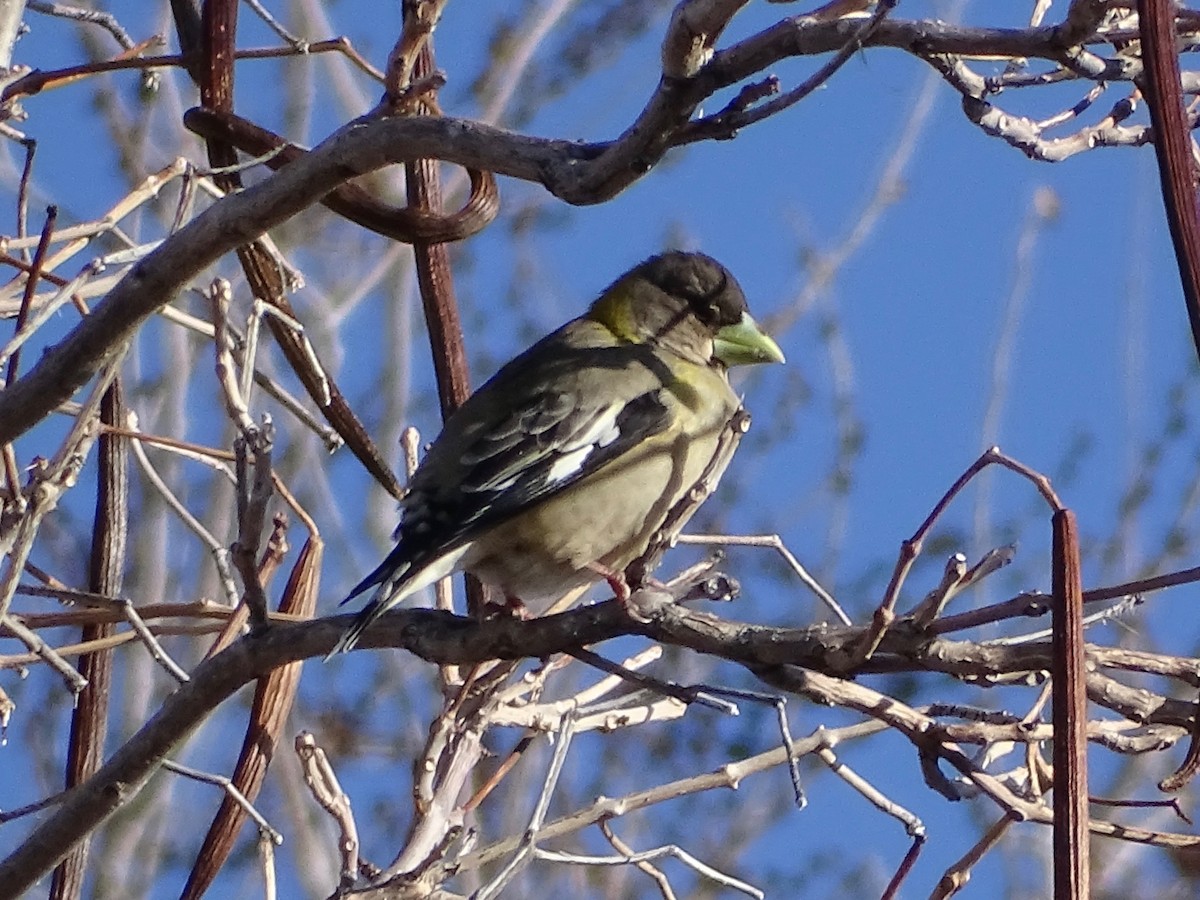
<point>616,581</point>
<point>509,608</point>
<point>515,607</point>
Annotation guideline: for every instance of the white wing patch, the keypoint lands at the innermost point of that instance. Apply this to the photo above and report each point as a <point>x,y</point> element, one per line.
<point>573,453</point>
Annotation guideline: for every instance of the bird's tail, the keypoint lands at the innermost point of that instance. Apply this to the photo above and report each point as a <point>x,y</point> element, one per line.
<point>400,575</point>
<point>390,575</point>
<point>372,611</point>
<point>392,570</point>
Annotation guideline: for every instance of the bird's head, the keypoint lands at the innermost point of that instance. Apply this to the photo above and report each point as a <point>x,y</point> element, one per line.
<point>687,303</point>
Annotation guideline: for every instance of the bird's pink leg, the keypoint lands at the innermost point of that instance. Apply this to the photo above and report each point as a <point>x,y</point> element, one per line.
<point>514,606</point>
<point>616,581</point>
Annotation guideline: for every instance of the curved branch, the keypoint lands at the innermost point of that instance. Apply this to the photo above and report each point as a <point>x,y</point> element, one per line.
<point>443,638</point>
<point>577,173</point>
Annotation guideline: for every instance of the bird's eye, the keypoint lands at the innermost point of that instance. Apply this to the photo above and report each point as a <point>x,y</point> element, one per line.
<point>708,309</point>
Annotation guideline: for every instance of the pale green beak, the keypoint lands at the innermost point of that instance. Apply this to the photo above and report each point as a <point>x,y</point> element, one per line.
<point>744,343</point>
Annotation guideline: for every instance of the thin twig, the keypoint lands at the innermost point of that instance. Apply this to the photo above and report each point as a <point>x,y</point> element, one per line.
<point>774,542</point>
<point>234,794</point>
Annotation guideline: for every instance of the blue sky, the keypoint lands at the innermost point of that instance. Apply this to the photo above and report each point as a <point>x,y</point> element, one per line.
<point>917,311</point>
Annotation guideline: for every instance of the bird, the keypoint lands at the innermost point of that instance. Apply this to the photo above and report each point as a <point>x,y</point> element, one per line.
<point>561,468</point>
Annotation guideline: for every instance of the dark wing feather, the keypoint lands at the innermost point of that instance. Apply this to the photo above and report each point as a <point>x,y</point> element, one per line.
<point>541,447</point>
<point>534,429</point>
<point>547,444</point>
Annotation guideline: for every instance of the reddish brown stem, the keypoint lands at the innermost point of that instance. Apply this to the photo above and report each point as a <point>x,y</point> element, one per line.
<point>1070,716</point>
<point>1172,146</point>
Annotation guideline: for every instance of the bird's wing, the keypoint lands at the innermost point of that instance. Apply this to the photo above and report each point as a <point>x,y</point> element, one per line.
<point>537,427</point>
<point>541,446</point>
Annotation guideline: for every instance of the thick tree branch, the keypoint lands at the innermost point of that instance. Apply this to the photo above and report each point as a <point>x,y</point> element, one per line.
<point>444,638</point>
<point>578,173</point>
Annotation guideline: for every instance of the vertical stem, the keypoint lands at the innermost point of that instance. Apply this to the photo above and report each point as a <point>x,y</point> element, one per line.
<point>436,282</point>
<point>435,278</point>
<point>89,721</point>
<point>1070,716</point>
<point>1172,146</point>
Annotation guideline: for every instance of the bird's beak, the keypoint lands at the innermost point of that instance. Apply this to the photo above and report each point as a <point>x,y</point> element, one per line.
<point>744,343</point>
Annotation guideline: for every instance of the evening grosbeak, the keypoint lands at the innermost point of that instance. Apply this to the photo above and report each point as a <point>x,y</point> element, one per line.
<point>562,468</point>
